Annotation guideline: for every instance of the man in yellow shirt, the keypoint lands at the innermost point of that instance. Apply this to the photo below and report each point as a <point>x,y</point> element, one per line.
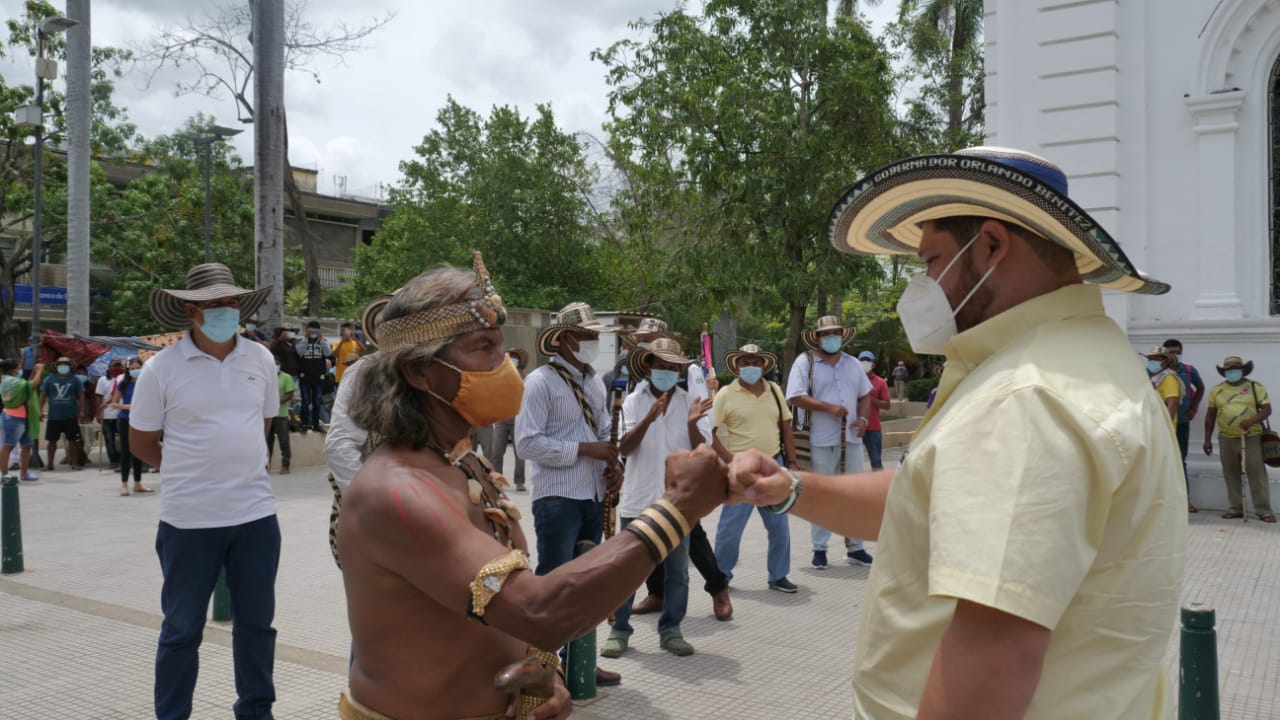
<point>346,351</point>
<point>1239,406</point>
<point>1160,366</point>
<point>1031,546</point>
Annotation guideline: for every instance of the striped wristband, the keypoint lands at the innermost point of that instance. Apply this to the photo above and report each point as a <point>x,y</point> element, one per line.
<point>785,506</point>
<point>660,527</point>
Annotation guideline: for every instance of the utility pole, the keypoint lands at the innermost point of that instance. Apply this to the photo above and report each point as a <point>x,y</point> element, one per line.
<point>268,153</point>
<point>78,159</point>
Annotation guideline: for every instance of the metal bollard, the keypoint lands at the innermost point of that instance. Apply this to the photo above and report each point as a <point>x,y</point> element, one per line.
<point>1198,672</point>
<point>11,531</point>
<point>580,661</point>
<point>221,598</point>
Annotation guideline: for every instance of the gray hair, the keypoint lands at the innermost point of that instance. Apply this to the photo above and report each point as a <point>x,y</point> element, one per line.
<point>388,407</point>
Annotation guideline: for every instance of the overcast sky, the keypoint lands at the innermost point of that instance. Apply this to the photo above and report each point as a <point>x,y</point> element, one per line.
<point>366,114</point>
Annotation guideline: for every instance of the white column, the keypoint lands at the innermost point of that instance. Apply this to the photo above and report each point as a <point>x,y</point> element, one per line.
<point>1215,128</point>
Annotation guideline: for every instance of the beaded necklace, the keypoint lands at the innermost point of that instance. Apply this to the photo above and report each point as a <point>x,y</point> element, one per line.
<point>499,513</point>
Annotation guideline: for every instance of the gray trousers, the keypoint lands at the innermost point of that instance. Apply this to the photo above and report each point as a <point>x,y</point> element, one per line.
<point>1256,472</point>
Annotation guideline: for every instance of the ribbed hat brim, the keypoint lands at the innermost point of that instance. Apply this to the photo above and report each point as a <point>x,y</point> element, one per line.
<point>166,305</point>
<point>732,358</point>
<point>811,341</point>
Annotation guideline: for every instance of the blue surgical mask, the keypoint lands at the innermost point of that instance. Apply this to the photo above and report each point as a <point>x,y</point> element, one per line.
<point>64,369</point>
<point>1179,357</point>
<point>1154,366</point>
<point>750,375</point>
<point>664,380</point>
<point>220,323</point>
<point>1234,375</point>
<point>135,373</point>
<point>250,326</point>
<point>831,343</point>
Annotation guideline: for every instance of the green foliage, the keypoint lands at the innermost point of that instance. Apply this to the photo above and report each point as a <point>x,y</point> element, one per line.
<point>736,130</point>
<point>918,390</point>
<point>942,40</point>
<point>509,186</point>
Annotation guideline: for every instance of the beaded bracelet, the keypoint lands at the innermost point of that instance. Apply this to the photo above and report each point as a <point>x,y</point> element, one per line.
<point>789,502</point>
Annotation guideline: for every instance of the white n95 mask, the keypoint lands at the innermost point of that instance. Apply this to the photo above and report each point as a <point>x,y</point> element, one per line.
<point>926,314</point>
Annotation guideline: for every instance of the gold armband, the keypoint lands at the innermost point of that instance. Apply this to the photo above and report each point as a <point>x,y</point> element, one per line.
<point>488,582</point>
<point>660,527</point>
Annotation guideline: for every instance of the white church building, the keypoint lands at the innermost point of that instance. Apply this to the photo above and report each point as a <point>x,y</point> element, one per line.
<point>1165,116</point>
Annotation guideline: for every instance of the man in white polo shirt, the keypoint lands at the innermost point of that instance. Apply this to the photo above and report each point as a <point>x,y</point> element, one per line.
<point>210,397</point>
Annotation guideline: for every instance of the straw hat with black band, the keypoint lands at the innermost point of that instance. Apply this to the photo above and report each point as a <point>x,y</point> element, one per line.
<point>1164,354</point>
<point>827,323</point>
<point>575,318</point>
<point>663,348</point>
<point>205,282</point>
<point>733,359</point>
<point>1234,362</point>
<point>881,214</point>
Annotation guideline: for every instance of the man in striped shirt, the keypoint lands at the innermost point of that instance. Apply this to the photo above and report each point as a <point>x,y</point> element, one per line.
<point>562,432</point>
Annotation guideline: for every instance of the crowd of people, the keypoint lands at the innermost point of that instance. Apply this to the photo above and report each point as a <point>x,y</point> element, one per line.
<point>1029,545</point>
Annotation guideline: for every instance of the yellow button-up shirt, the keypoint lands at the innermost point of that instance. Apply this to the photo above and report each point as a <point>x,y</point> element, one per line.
<point>744,420</point>
<point>1044,482</point>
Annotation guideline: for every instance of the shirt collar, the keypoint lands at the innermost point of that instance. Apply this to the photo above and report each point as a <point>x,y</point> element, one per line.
<point>976,344</point>
<point>573,370</point>
<point>189,350</point>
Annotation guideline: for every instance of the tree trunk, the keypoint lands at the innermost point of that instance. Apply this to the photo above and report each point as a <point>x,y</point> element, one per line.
<point>268,154</point>
<point>306,240</point>
<point>794,328</point>
<point>955,74</point>
<point>78,102</point>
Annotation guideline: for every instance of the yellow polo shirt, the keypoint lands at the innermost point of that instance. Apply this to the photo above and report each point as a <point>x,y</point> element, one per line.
<point>342,350</point>
<point>1045,486</point>
<point>1236,403</point>
<point>745,421</point>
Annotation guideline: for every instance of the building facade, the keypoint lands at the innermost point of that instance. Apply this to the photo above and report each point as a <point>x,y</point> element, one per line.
<point>1165,116</point>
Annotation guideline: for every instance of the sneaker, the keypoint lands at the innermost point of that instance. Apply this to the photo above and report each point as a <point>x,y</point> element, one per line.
<point>859,557</point>
<point>819,559</point>
<point>677,646</point>
<point>30,479</point>
<point>783,585</point>
<point>614,647</point>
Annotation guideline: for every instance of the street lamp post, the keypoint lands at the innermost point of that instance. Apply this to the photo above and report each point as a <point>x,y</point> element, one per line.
<point>214,133</point>
<point>44,69</point>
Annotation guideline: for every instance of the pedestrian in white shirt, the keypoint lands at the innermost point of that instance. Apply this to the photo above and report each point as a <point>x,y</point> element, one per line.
<point>658,418</point>
<point>211,396</point>
<point>829,386</point>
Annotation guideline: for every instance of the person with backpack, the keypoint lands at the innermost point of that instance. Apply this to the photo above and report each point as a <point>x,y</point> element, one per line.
<point>1239,407</point>
<point>21,418</point>
<point>1187,410</point>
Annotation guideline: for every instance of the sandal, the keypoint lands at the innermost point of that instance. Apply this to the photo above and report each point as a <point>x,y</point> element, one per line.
<point>1232,515</point>
<point>1267,517</point>
<point>142,489</point>
<point>124,491</point>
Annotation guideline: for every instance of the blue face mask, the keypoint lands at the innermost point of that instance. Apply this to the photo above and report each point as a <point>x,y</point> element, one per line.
<point>1154,366</point>
<point>1234,376</point>
<point>250,326</point>
<point>64,369</point>
<point>135,373</point>
<point>664,380</point>
<point>831,343</point>
<point>750,375</point>
<point>220,324</point>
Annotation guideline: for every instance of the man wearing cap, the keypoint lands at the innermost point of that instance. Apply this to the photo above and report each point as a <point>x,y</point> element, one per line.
<point>658,419</point>
<point>873,437</point>
<point>1187,411</point>
<point>496,437</point>
<point>750,414</point>
<point>447,619</point>
<point>211,397</point>
<point>1032,542</point>
<point>1239,406</point>
<point>66,395</point>
<point>562,432</point>
<point>834,397</point>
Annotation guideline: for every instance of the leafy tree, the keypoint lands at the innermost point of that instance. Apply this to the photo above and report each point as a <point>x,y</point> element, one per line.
<point>739,127</point>
<point>153,228</point>
<point>110,136</point>
<point>943,41</point>
<point>510,186</point>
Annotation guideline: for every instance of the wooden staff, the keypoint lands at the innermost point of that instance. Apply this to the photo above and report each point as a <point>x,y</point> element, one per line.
<point>611,497</point>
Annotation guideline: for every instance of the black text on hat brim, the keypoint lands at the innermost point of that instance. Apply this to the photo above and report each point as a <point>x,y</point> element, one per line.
<point>167,305</point>
<point>732,358</point>
<point>881,213</point>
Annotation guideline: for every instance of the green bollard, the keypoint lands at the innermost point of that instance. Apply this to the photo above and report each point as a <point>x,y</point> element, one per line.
<point>580,665</point>
<point>221,599</point>
<point>11,533</point>
<point>1198,674</point>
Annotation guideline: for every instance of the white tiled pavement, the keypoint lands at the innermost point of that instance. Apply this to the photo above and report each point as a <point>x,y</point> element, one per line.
<point>78,628</point>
